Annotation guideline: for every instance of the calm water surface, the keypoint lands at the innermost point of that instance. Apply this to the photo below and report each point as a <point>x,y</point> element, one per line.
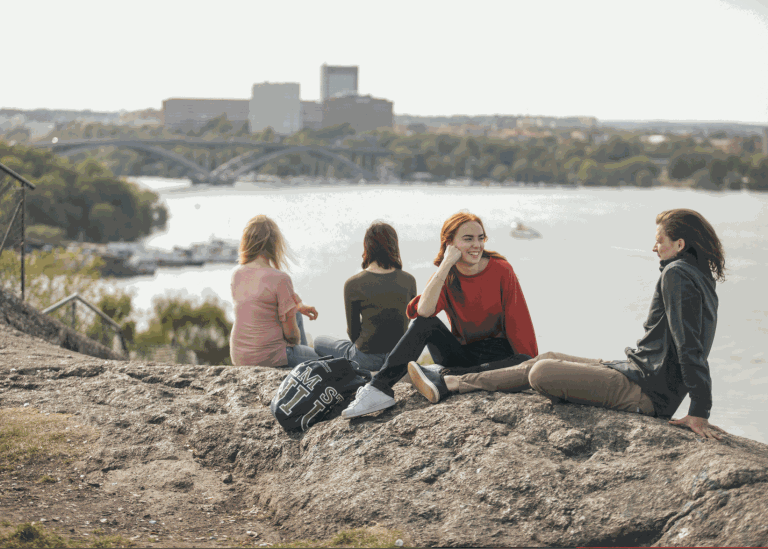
<point>588,282</point>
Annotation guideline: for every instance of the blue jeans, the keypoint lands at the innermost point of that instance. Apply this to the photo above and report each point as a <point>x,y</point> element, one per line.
<point>301,352</point>
<point>300,322</point>
<point>298,354</point>
<point>344,348</point>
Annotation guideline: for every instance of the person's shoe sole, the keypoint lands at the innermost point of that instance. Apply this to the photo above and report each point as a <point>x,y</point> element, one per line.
<point>379,408</point>
<point>422,384</point>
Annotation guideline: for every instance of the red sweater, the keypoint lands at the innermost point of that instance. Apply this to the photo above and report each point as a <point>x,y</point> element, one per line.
<point>491,305</point>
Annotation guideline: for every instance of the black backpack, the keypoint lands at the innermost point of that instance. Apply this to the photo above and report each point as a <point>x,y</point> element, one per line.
<point>313,388</point>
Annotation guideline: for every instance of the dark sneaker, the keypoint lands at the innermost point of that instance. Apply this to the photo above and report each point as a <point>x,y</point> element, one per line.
<point>428,380</point>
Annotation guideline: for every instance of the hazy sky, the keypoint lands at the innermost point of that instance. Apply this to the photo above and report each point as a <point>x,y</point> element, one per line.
<point>649,59</point>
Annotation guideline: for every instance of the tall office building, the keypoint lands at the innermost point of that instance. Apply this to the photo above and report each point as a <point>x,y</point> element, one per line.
<point>277,106</point>
<point>335,80</point>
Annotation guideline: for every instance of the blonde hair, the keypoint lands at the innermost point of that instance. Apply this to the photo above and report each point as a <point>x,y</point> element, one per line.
<point>262,237</point>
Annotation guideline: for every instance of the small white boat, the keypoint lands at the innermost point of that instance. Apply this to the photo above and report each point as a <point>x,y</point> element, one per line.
<point>523,231</point>
<point>216,251</point>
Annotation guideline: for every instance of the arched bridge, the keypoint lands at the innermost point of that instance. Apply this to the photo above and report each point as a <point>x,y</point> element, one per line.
<point>228,172</point>
<point>248,162</point>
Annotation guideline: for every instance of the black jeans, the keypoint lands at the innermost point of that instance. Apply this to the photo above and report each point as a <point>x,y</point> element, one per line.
<point>478,356</point>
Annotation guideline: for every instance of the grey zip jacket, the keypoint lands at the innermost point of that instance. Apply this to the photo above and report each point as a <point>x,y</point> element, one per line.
<point>670,360</point>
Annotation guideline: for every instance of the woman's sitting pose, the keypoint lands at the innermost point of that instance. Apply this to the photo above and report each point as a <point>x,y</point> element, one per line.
<point>481,295</point>
<point>268,329</point>
<point>375,302</point>
<point>670,360</point>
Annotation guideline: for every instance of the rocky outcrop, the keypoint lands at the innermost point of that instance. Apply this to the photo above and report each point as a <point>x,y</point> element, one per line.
<point>31,321</point>
<point>482,469</point>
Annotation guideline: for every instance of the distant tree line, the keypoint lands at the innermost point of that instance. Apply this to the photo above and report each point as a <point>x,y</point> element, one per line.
<point>718,170</point>
<point>79,201</point>
<point>621,160</point>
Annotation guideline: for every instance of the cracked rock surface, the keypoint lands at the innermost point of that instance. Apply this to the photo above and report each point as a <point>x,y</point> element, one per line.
<point>481,469</point>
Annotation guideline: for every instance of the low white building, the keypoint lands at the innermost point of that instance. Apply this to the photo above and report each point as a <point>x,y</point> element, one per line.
<point>276,106</point>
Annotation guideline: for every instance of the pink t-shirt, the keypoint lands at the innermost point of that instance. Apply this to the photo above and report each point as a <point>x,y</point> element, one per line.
<point>263,298</point>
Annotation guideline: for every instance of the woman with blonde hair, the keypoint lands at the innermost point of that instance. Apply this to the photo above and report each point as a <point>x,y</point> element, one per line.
<point>490,323</point>
<point>375,301</point>
<point>268,328</point>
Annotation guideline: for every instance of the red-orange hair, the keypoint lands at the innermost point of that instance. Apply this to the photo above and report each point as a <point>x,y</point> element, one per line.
<point>448,233</point>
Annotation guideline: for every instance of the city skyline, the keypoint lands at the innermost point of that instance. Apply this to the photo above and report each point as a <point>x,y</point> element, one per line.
<point>681,60</point>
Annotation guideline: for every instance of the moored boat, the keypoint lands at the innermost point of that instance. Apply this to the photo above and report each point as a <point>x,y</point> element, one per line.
<point>523,231</point>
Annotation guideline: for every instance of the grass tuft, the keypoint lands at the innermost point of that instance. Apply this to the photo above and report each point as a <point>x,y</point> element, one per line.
<point>359,537</point>
<point>27,436</point>
<point>108,542</point>
<point>29,535</point>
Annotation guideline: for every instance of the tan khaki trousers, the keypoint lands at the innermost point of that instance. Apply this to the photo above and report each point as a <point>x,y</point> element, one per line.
<point>566,377</point>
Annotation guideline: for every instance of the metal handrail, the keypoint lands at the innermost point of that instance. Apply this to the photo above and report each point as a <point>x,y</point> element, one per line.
<point>104,317</point>
<point>10,225</point>
<point>18,177</point>
<point>21,207</point>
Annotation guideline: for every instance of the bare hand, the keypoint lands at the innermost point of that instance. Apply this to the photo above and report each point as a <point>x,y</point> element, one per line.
<point>452,255</point>
<point>308,311</point>
<point>701,426</point>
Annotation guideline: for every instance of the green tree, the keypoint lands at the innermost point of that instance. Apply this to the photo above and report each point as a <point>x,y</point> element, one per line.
<point>734,163</point>
<point>117,306</point>
<point>702,180</point>
<point>66,196</point>
<point>718,168</point>
<point>466,148</point>
<point>751,144</point>
<point>758,173</point>
<point>520,170</point>
<point>732,181</point>
<point>684,163</point>
<point>625,171</point>
<point>334,132</point>
<point>571,168</point>
<point>219,125</point>
<point>588,172</point>
<point>644,178</point>
<point>441,166</point>
<point>500,172</point>
<point>616,149</point>
<point>201,328</point>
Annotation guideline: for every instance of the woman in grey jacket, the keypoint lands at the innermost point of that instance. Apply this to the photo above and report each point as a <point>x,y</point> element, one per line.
<point>670,360</point>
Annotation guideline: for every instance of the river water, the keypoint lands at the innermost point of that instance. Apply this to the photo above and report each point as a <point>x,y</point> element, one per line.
<point>588,282</point>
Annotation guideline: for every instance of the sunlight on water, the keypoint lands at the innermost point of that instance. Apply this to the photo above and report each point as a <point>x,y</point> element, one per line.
<point>588,281</point>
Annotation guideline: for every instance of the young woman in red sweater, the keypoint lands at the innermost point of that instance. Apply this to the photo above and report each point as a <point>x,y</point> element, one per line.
<point>490,324</point>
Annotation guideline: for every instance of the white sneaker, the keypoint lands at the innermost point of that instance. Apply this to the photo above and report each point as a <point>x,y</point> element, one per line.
<point>367,400</point>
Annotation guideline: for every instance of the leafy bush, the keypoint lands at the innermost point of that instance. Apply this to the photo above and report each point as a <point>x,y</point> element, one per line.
<point>200,328</point>
<point>85,201</point>
<point>686,162</point>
